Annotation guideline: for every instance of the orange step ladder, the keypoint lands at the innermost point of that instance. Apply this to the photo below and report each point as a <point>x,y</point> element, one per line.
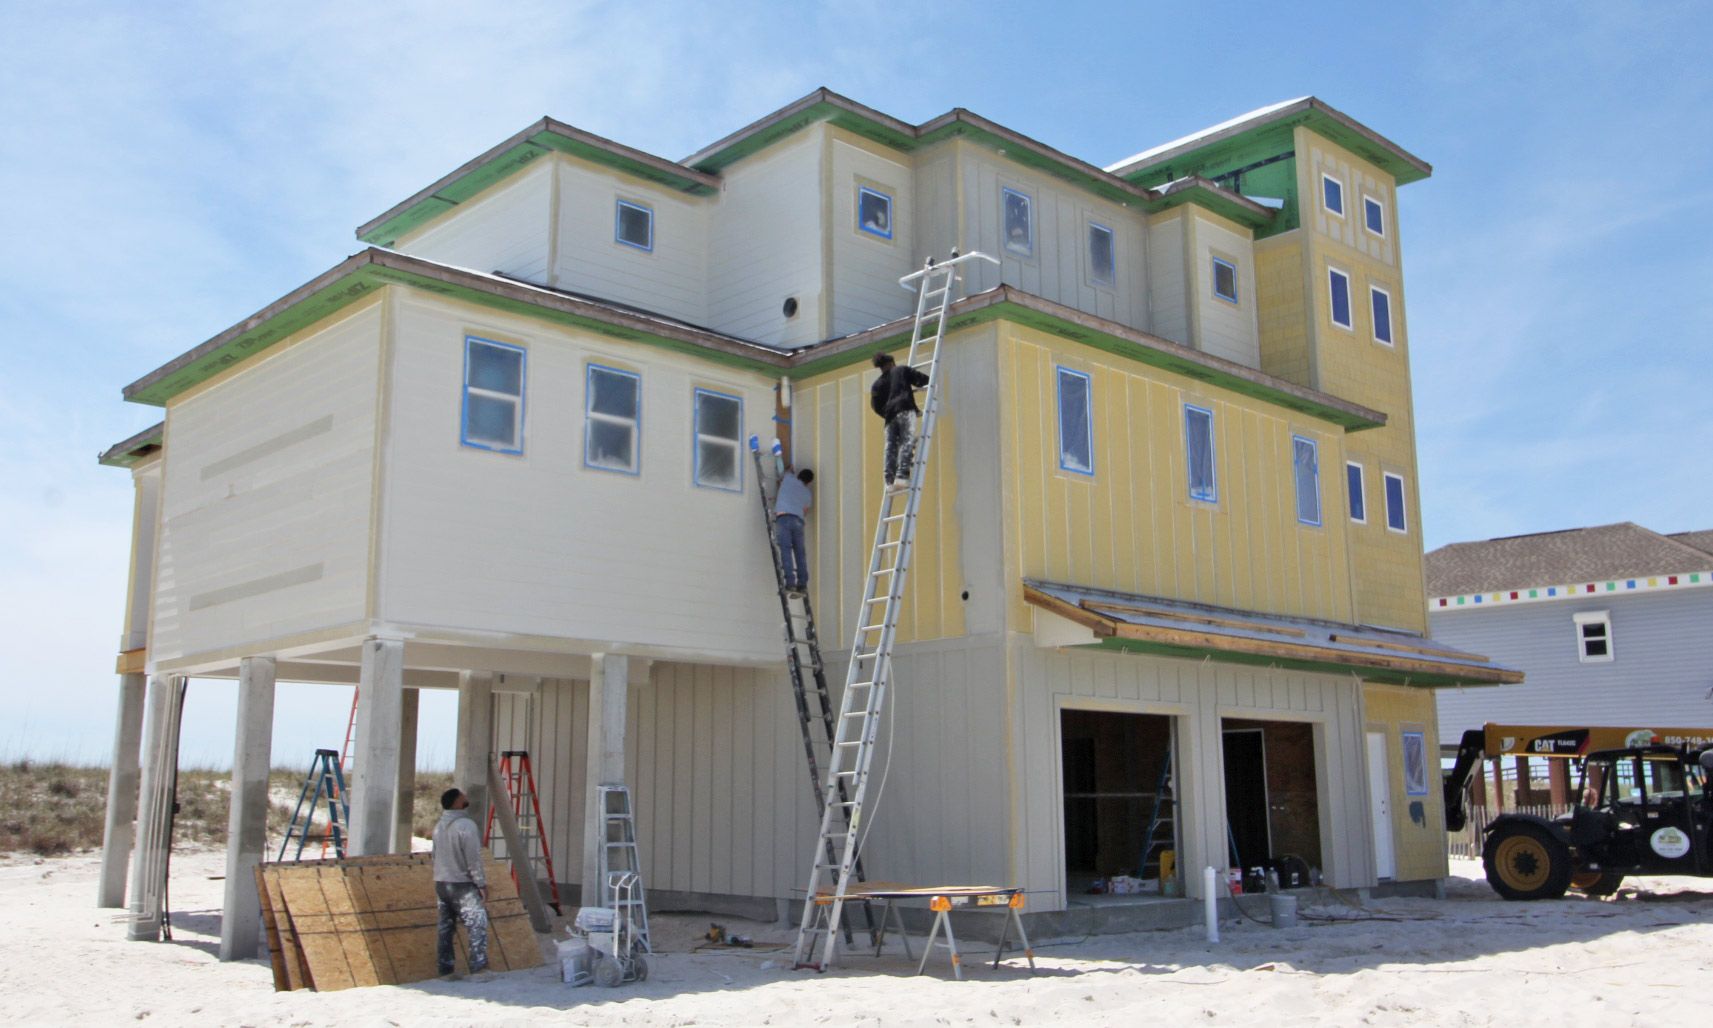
<point>519,781</point>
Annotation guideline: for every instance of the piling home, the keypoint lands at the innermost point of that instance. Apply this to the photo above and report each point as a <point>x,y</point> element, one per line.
<point>1171,534</point>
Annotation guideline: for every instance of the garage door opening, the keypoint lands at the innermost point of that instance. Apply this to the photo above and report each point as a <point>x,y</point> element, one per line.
<point>1119,821</point>
<point>1271,802</point>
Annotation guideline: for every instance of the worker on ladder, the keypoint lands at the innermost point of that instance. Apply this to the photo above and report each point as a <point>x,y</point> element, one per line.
<point>789,508</point>
<point>460,885</point>
<point>893,397</point>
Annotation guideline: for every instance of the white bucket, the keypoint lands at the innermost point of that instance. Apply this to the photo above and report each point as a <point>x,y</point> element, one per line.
<point>1284,909</point>
<point>576,962</point>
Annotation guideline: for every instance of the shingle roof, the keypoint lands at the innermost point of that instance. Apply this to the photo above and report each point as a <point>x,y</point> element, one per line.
<point>1571,556</point>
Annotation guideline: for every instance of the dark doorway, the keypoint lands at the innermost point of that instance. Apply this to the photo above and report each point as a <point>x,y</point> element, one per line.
<point>1112,766</point>
<point>1246,796</point>
<point>1271,791</point>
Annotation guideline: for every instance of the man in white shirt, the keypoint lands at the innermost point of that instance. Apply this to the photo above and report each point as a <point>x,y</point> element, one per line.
<point>789,508</point>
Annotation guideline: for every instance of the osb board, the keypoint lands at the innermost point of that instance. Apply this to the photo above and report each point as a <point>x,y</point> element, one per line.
<point>271,930</point>
<point>371,921</point>
<point>273,905</point>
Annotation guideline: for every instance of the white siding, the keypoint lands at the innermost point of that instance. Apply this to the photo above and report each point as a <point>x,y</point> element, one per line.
<point>670,280</point>
<point>503,230</point>
<point>1226,330</point>
<point>1169,314</point>
<point>866,268</point>
<point>1058,270</point>
<point>266,494</point>
<point>538,544</point>
<point>935,212</point>
<point>764,245</point>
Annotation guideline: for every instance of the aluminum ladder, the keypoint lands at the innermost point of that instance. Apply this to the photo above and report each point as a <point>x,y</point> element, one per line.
<point>519,782</point>
<point>803,653</point>
<point>870,668</point>
<point>325,781</point>
<point>620,856</point>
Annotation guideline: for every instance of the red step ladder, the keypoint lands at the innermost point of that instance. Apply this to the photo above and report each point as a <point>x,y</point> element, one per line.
<point>329,840</point>
<point>519,781</point>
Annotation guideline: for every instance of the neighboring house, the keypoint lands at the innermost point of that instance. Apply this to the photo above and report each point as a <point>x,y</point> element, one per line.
<point>1612,624</point>
<point>1172,514</point>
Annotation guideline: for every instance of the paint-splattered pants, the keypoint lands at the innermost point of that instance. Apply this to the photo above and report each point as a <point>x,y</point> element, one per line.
<point>461,901</point>
<point>900,445</point>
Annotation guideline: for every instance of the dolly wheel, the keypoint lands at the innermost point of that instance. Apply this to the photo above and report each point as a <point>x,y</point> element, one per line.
<point>1524,862</point>
<point>608,973</point>
<point>639,968</point>
<point>1596,883</point>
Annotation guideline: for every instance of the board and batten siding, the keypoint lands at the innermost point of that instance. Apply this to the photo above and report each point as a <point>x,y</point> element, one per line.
<point>1131,526</point>
<point>1168,278</point>
<point>1418,822</point>
<point>764,245</point>
<point>1661,673</point>
<point>504,230</point>
<point>1199,695</point>
<point>866,268</point>
<point>265,496</point>
<point>539,545</point>
<point>1223,328</point>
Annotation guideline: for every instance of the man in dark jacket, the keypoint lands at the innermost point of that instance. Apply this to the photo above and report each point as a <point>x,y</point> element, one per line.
<point>893,397</point>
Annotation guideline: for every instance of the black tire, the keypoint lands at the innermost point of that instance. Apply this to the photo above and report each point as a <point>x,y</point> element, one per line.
<point>1597,883</point>
<point>1524,862</point>
<point>608,973</point>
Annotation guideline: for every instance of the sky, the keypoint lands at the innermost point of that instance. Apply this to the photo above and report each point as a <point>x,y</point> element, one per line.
<point>166,170</point>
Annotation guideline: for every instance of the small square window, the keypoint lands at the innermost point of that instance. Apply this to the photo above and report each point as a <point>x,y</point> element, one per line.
<point>719,428</point>
<point>493,395</point>
<point>1381,302</point>
<point>874,212</point>
<point>1338,290</point>
<point>1332,195</point>
<point>1199,455</point>
<point>633,225</point>
<point>1396,519</point>
<point>1076,422</point>
<point>1019,223</point>
<point>1305,468</point>
<point>1593,636</point>
<point>1354,489</point>
<point>1225,280</point>
<point>1374,215</point>
<point>1102,254</point>
<point>612,420</point>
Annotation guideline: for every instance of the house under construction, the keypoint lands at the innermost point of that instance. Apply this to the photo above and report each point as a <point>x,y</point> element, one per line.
<point>1169,541</point>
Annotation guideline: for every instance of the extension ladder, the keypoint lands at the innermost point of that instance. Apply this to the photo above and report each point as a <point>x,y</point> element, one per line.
<point>619,856</point>
<point>803,652</point>
<point>519,782</point>
<point>870,668</point>
<point>1164,816</point>
<point>325,781</point>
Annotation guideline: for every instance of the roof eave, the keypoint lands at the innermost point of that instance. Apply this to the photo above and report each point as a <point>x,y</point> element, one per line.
<point>132,451</point>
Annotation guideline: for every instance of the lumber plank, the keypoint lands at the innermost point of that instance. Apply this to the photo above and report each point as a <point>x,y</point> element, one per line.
<point>271,931</point>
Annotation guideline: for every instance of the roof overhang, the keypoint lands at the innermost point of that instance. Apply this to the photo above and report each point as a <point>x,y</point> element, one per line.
<point>135,450</point>
<point>1143,624</point>
<point>1203,193</point>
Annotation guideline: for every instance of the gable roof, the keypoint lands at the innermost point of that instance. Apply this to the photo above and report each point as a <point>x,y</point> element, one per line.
<point>1600,553</point>
<point>1702,540</point>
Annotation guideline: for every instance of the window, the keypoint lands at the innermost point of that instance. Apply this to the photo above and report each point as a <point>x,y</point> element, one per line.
<point>1395,517</point>
<point>1354,490</point>
<point>1374,215</point>
<point>1415,764</point>
<point>1305,468</point>
<point>1338,287</point>
<point>1332,195</point>
<point>1076,423</point>
<point>633,225</point>
<point>719,426</point>
<point>493,396</point>
<point>1198,446</point>
<point>1019,224</point>
<point>874,212</point>
<point>1102,254</point>
<point>1593,636</point>
<point>612,419</point>
<point>1381,301</point>
<point>1225,280</point>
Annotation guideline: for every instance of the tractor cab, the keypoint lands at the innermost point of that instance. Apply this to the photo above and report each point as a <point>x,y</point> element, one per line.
<point>1643,810</point>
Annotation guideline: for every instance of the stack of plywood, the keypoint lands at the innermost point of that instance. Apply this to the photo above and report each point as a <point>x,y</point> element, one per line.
<point>339,924</point>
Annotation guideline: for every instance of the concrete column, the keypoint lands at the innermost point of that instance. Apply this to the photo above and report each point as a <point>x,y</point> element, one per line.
<point>380,710</point>
<point>609,677</point>
<point>475,740</point>
<point>150,816</point>
<point>404,804</point>
<point>122,784</point>
<point>247,823</point>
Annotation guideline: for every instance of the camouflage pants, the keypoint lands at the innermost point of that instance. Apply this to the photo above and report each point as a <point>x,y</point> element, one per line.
<point>461,901</point>
<point>900,445</point>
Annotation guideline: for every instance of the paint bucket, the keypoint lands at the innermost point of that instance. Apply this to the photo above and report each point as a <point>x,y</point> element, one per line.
<point>1284,909</point>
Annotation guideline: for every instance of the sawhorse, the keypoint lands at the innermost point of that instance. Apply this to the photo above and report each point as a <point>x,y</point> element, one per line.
<point>942,901</point>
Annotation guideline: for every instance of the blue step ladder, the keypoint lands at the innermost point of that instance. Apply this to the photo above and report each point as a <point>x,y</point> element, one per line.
<point>1164,816</point>
<point>324,782</point>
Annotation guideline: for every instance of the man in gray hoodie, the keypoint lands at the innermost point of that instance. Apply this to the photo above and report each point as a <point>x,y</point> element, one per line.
<point>460,884</point>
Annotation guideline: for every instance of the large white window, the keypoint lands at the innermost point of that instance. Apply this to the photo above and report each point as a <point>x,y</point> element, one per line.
<point>1076,422</point>
<point>1102,254</point>
<point>1396,519</point>
<point>1356,492</point>
<point>612,420</point>
<point>1305,468</point>
<point>1381,303</point>
<point>493,395</point>
<point>1593,636</point>
<point>1199,453</point>
<point>1338,292</point>
<point>1332,195</point>
<point>1019,228</point>
<point>719,426</point>
<point>633,225</point>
